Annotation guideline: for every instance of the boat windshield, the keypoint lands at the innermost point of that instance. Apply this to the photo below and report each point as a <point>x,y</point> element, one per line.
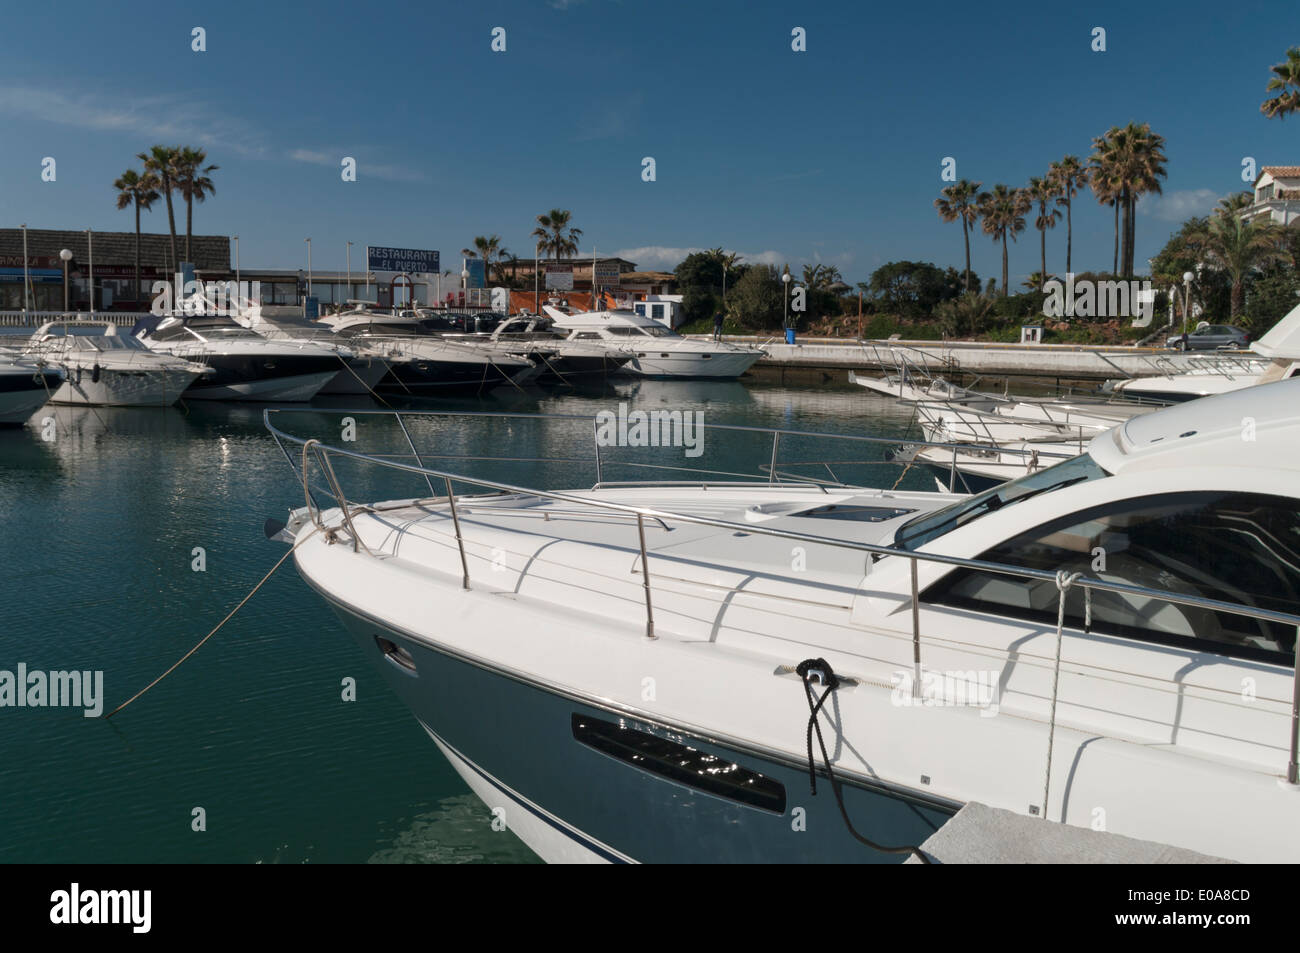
<point>915,533</point>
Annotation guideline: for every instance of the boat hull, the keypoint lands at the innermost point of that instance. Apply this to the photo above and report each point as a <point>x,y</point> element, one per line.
<point>515,744</point>
<point>257,377</point>
<point>22,394</point>
<point>689,364</point>
<point>361,376</point>
<point>435,378</point>
<point>123,388</point>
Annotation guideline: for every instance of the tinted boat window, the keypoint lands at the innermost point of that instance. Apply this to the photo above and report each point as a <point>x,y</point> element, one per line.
<point>917,532</point>
<point>1234,547</point>
<point>681,763</point>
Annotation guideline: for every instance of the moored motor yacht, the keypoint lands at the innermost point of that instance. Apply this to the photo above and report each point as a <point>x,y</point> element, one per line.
<point>243,364</point>
<point>436,366</point>
<point>25,386</point>
<point>656,350</point>
<point>648,655</point>
<point>104,367</point>
<point>559,358</point>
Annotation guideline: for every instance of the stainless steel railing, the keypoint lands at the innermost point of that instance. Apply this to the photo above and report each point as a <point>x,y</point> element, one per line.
<point>324,453</point>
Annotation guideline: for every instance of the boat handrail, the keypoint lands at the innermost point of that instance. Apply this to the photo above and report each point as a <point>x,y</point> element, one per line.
<point>324,453</point>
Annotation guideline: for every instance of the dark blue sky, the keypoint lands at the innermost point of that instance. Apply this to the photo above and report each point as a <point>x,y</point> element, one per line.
<point>830,155</point>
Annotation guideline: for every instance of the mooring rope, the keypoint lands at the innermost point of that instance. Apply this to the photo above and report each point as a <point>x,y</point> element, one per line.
<point>822,669</point>
<point>1064,581</point>
<point>228,617</point>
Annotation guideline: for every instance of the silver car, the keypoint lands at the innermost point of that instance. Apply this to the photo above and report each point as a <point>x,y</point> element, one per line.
<point>1209,337</point>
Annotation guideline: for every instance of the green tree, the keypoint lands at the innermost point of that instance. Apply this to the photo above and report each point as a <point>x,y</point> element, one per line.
<point>556,235</point>
<point>139,191</point>
<point>969,314</point>
<point>755,300</point>
<point>160,162</point>
<point>1131,160</point>
<point>1003,213</point>
<point>1044,191</point>
<point>1239,248</point>
<point>1286,84</point>
<point>913,288</point>
<point>190,176</point>
<point>960,201</point>
<point>1070,175</point>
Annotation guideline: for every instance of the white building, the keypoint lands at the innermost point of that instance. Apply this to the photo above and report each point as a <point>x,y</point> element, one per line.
<point>1277,195</point>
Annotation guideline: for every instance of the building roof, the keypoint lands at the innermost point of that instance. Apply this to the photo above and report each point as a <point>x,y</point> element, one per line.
<point>1279,172</point>
<point>653,276</point>
<point>211,252</point>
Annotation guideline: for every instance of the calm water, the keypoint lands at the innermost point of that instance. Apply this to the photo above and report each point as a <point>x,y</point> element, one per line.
<point>97,528</point>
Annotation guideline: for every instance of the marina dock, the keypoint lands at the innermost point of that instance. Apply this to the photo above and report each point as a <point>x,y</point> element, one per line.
<point>979,834</point>
<point>976,358</point>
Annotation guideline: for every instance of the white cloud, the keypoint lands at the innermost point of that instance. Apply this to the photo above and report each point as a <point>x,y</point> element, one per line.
<point>334,158</point>
<point>166,118</point>
<point>1179,206</point>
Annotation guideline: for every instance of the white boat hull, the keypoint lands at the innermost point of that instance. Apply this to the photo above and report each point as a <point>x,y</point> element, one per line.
<point>115,388</point>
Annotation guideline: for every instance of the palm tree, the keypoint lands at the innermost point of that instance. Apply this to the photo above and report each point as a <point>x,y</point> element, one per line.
<point>489,248</point>
<point>1043,191</point>
<point>1286,81</point>
<point>1132,161</point>
<point>1003,213</point>
<point>1071,175</point>
<point>160,161</point>
<point>140,191</point>
<point>729,262</point>
<point>555,235</point>
<point>1235,202</point>
<point>1239,247</point>
<point>191,180</point>
<point>1105,186</point>
<point>960,201</point>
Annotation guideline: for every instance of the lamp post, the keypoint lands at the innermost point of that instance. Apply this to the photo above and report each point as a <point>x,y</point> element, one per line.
<point>347,297</point>
<point>308,240</point>
<point>464,282</point>
<point>26,280</point>
<point>1187,301</point>
<point>785,297</point>
<point>67,257</point>
<point>90,248</point>
<point>537,279</point>
<point>238,287</point>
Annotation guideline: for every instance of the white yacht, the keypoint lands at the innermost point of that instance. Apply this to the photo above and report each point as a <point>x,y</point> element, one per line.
<point>1278,358</point>
<point>657,351</point>
<point>25,386</point>
<point>104,367</point>
<point>559,358</point>
<point>628,671</point>
<point>243,364</point>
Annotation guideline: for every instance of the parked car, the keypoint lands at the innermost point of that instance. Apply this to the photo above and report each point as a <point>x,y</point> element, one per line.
<point>1209,337</point>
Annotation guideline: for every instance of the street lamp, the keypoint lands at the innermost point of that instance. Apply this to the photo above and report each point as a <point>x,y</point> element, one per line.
<point>464,282</point>
<point>785,297</point>
<point>1187,301</point>
<point>308,241</point>
<point>26,279</point>
<point>537,281</point>
<point>90,247</point>
<point>67,257</point>
<point>348,296</point>
<point>238,289</point>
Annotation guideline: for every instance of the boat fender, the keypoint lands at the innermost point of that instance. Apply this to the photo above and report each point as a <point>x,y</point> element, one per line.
<point>820,669</point>
<point>94,374</point>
